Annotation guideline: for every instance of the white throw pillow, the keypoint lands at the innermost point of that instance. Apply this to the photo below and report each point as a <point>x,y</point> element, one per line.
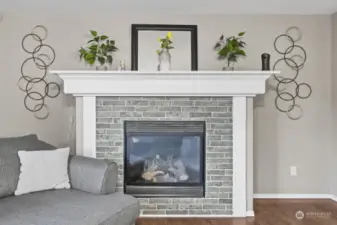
<point>43,170</point>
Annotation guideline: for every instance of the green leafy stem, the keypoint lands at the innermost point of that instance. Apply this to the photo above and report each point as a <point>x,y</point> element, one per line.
<point>99,48</point>
<point>230,48</point>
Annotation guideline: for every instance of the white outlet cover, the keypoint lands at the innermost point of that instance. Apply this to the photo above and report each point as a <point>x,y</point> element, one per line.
<point>293,171</point>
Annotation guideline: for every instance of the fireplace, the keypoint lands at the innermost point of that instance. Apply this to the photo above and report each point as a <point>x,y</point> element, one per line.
<point>164,158</point>
<point>104,100</point>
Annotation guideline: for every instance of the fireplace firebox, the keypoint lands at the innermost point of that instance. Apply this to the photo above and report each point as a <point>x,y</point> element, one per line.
<point>164,158</point>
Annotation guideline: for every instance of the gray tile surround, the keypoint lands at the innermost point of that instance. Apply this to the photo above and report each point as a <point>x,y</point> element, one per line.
<point>216,111</point>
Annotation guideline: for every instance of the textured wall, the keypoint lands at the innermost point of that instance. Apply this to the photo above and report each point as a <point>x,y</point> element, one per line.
<point>217,112</point>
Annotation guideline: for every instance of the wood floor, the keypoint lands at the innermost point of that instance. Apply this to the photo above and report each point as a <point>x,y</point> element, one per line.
<point>269,212</point>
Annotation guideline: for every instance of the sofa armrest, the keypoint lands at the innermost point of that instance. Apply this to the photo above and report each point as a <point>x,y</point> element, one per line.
<point>97,176</point>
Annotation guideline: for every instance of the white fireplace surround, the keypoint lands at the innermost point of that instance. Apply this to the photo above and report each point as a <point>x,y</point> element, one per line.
<point>87,84</point>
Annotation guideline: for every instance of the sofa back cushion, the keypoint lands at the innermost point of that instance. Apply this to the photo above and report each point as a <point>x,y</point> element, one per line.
<point>9,160</point>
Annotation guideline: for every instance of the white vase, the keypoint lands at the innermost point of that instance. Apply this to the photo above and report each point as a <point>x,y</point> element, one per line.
<point>164,60</point>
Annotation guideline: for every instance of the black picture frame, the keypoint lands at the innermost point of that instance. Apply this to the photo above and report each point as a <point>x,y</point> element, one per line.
<point>135,28</point>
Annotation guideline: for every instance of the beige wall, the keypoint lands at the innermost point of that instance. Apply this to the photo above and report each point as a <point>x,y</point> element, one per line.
<point>333,158</point>
<point>279,142</point>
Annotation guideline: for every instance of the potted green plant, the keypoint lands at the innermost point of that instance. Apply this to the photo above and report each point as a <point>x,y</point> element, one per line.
<point>98,51</point>
<point>230,49</point>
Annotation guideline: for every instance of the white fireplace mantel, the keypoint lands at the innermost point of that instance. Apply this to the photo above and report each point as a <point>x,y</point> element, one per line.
<point>86,85</point>
<point>175,83</point>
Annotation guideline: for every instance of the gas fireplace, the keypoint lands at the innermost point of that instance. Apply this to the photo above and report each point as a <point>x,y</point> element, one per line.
<point>164,158</point>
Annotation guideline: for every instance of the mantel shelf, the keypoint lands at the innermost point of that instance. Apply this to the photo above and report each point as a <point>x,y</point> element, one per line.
<point>199,72</point>
<point>172,83</point>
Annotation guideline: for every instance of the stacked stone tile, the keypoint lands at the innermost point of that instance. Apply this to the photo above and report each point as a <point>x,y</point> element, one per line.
<point>216,111</point>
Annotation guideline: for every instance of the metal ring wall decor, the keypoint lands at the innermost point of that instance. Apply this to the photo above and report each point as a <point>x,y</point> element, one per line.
<point>34,100</point>
<point>285,101</point>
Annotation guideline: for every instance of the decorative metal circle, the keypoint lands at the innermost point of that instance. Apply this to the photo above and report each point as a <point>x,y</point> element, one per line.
<point>34,109</point>
<point>48,88</point>
<point>35,49</point>
<point>279,93</point>
<point>42,28</point>
<point>45,58</point>
<point>304,58</point>
<point>296,29</point>
<point>290,39</point>
<point>34,59</point>
<point>301,60</point>
<point>23,86</point>
<point>277,78</point>
<point>289,108</point>
<point>34,100</point>
<point>299,91</point>
<point>31,94</point>
<point>294,61</point>
<point>43,113</point>
<point>44,63</point>
<point>292,114</point>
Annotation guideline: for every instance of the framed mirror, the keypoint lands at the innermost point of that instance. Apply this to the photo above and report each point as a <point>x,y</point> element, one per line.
<point>144,46</point>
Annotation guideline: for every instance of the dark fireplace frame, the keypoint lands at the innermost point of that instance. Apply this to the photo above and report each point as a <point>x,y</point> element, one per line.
<point>172,190</point>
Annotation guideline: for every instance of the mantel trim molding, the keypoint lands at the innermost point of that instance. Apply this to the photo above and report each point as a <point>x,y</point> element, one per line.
<point>173,83</point>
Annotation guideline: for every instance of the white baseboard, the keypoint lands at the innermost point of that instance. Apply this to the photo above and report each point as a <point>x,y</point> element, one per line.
<point>250,213</point>
<point>333,198</point>
<point>292,196</point>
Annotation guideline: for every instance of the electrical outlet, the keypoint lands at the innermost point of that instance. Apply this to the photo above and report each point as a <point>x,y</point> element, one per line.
<point>293,171</point>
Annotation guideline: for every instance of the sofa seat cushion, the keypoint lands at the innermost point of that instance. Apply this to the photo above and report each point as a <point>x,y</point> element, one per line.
<point>68,207</point>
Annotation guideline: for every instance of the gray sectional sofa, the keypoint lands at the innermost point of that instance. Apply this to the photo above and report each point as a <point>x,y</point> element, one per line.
<point>92,200</point>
